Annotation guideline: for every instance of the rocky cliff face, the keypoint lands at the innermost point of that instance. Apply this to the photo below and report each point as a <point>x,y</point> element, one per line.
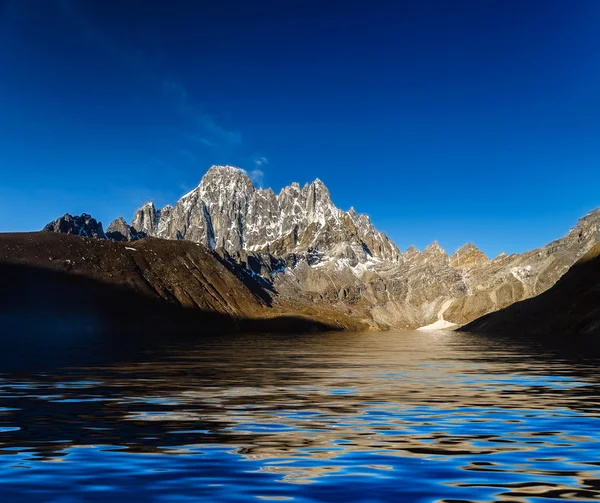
<point>226,211</point>
<point>80,225</point>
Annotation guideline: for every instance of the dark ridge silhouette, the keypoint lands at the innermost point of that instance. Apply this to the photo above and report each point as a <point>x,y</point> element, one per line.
<point>571,307</point>
<point>62,284</point>
<point>35,300</point>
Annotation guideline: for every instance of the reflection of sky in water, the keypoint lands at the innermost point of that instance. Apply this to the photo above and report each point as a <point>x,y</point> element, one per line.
<point>359,417</point>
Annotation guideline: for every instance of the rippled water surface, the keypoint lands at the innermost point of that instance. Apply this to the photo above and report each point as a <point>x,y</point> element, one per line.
<point>401,416</point>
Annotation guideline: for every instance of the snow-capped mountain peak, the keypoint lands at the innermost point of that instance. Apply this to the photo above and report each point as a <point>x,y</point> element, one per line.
<point>226,211</point>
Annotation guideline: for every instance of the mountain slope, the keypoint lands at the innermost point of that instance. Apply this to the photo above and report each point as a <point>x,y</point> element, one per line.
<point>63,281</point>
<point>571,306</point>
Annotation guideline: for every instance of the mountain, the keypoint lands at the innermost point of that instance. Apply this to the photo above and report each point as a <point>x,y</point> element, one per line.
<point>311,252</point>
<point>431,288</point>
<point>226,211</point>
<point>83,225</point>
<point>570,307</point>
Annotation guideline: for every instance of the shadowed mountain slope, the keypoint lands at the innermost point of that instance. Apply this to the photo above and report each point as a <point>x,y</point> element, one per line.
<point>63,283</point>
<point>571,306</point>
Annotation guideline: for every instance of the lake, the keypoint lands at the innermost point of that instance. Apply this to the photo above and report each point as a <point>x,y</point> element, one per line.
<point>396,416</point>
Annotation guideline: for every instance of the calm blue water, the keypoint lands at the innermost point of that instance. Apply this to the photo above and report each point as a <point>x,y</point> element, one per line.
<point>401,416</point>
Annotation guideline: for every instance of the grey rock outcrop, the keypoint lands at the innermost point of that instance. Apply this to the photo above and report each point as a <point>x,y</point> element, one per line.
<point>80,225</point>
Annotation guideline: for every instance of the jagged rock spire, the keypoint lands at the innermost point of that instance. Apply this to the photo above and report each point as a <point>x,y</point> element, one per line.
<point>227,211</point>
<point>80,225</point>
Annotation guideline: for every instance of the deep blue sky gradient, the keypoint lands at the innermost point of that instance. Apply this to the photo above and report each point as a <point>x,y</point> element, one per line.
<point>457,121</point>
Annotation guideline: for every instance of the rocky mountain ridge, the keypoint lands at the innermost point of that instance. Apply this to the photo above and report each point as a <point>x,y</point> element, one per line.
<point>80,225</point>
<point>305,248</point>
<point>226,211</point>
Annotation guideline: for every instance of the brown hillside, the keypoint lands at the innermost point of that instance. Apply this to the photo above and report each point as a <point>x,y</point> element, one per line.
<point>64,282</point>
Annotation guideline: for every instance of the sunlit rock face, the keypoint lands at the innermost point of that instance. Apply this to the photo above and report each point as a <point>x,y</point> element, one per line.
<point>467,257</point>
<point>226,211</point>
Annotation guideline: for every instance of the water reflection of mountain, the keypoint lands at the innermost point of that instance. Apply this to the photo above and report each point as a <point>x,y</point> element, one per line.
<point>306,407</point>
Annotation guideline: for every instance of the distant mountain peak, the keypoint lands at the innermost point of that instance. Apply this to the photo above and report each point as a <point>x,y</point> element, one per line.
<point>434,248</point>
<point>468,256</point>
<point>225,168</point>
<point>226,174</point>
<point>467,247</point>
<point>225,210</point>
<point>80,225</point>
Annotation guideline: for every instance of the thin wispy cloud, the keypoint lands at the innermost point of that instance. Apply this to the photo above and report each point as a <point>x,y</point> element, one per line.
<point>206,142</point>
<point>177,92</point>
<point>257,176</point>
<point>194,136</point>
<point>202,124</point>
<point>188,155</point>
<point>199,139</point>
<point>185,187</point>
<point>232,137</point>
<point>202,120</point>
<point>261,161</point>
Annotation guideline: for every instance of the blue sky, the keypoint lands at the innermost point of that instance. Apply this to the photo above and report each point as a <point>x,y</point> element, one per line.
<point>450,121</point>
